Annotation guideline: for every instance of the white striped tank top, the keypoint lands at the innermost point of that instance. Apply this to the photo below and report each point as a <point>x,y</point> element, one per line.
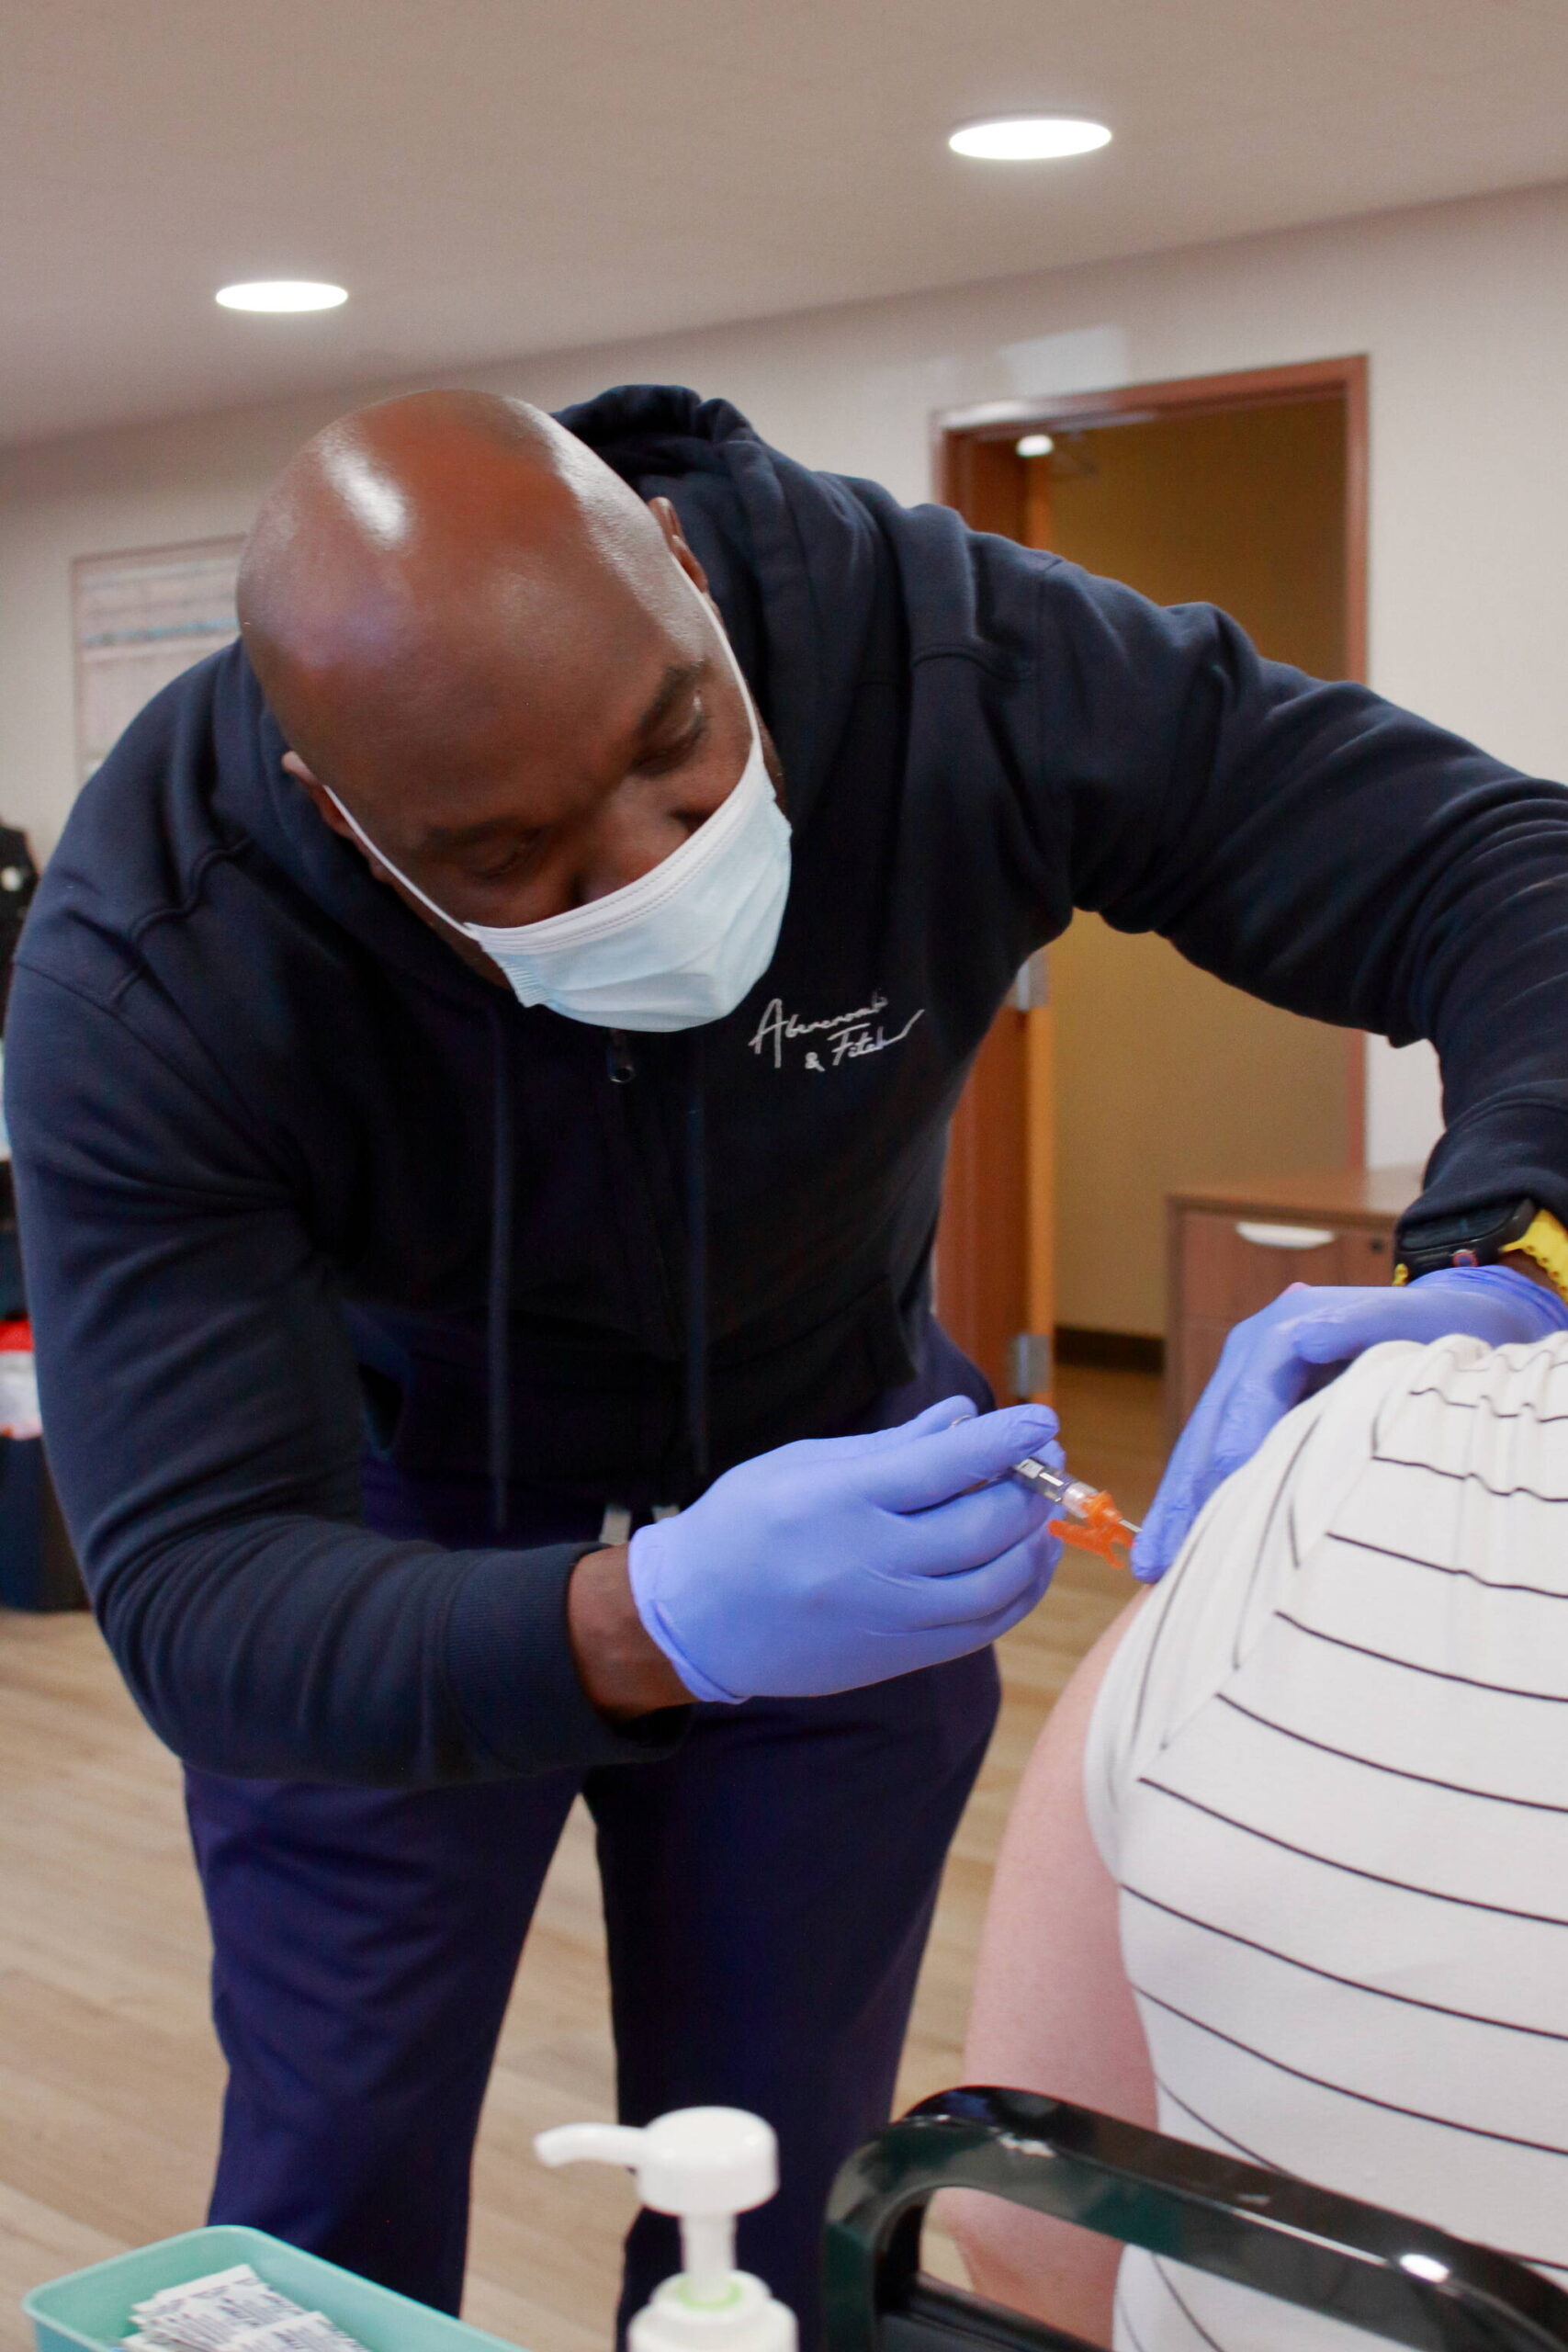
<point>1328,1771</point>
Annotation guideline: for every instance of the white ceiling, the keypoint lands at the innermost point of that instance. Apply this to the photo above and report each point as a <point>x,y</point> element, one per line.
<point>491,177</point>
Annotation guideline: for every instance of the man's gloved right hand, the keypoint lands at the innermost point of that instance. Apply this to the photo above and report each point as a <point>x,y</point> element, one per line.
<point>836,1562</point>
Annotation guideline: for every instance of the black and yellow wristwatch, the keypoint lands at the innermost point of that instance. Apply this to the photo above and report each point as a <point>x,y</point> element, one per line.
<point>1480,1237</point>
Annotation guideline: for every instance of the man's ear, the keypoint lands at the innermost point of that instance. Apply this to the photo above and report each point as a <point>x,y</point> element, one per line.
<point>669,522</point>
<point>325,807</point>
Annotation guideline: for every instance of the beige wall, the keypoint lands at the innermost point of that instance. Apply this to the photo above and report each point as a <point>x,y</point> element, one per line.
<point>1166,1077</point>
<point>1460,307</point>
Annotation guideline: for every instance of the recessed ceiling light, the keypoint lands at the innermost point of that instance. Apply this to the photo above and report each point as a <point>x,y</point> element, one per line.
<point>282,294</point>
<point>1028,138</point>
<point>1035,445</point>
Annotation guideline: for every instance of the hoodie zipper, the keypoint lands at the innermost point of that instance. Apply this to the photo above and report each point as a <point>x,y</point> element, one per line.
<point>621,1068</point>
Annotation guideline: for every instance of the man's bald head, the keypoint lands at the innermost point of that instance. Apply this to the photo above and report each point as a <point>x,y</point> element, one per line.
<point>415,545</point>
<point>465,624</point>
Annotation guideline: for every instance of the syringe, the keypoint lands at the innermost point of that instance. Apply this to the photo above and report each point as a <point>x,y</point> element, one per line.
<point>1089,1518</point>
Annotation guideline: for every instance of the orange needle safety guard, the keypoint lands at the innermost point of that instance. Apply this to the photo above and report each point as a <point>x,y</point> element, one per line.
<point>1089,1514</point>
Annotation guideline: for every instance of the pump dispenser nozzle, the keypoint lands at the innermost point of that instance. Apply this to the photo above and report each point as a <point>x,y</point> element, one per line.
<point>705,2165</point>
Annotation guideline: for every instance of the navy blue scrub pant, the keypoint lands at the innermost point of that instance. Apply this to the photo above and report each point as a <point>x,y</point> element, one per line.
<point>767,1893</point>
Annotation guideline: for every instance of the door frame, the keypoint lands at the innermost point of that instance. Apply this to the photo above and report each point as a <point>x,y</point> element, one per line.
<point>961,441</point>
<point>955,430</point>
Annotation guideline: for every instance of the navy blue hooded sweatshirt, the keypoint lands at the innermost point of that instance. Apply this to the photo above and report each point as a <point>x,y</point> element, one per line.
<point>282,1158</point>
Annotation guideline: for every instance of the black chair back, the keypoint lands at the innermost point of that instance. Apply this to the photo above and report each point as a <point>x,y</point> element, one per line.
<point>1264,2229</point>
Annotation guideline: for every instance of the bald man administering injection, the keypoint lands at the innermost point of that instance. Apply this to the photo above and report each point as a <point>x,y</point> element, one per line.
<point>478,1065</point>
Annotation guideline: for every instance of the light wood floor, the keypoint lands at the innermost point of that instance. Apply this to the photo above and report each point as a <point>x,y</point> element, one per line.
<point>109,2077</point>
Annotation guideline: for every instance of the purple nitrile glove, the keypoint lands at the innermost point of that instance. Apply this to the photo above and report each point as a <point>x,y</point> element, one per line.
<point>841,1561</point>
<point>1275,1358</point>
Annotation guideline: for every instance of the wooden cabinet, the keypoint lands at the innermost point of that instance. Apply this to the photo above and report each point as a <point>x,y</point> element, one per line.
<point>1231,1248</point>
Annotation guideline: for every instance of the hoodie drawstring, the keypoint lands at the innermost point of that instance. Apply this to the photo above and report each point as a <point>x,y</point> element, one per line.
<point>498,1332</point>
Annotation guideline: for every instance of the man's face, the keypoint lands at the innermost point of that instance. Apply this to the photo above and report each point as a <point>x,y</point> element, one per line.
<point>569,768</point>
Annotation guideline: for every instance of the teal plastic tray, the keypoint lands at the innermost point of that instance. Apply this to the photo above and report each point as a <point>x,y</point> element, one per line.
<point>89,2311</point>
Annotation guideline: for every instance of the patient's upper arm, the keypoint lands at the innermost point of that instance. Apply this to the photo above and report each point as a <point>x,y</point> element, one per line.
<point>1053,2013</point>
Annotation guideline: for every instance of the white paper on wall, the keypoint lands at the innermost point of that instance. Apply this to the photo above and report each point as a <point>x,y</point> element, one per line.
<point>1405,1103</point>
<point>140,617</point>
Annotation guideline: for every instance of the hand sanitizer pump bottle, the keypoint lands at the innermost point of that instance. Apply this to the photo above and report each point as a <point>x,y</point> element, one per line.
<point>705,2165</point>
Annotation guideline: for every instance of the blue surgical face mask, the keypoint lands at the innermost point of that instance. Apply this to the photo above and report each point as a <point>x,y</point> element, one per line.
<point>681,945</point>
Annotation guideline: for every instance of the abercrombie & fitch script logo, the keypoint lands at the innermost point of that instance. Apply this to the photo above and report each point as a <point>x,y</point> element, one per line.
<point>844,1036</point>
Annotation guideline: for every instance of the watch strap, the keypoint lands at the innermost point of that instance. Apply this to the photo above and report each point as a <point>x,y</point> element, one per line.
<point>1486,1241</point>
<point>1547,1243</point>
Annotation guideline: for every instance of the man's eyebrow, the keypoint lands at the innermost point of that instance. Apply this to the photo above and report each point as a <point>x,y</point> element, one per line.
<point>461,837</point>
<point>677,679</point>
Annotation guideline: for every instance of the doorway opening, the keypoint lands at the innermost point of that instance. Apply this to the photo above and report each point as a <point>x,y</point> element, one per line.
<point>1124,1073</point>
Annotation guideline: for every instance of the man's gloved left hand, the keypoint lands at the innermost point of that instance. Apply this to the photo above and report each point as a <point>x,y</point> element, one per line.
<point>1275,1358</point>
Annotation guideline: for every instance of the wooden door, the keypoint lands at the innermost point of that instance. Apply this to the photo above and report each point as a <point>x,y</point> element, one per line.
<point>996,1262</point>
<point>996,1243</point>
